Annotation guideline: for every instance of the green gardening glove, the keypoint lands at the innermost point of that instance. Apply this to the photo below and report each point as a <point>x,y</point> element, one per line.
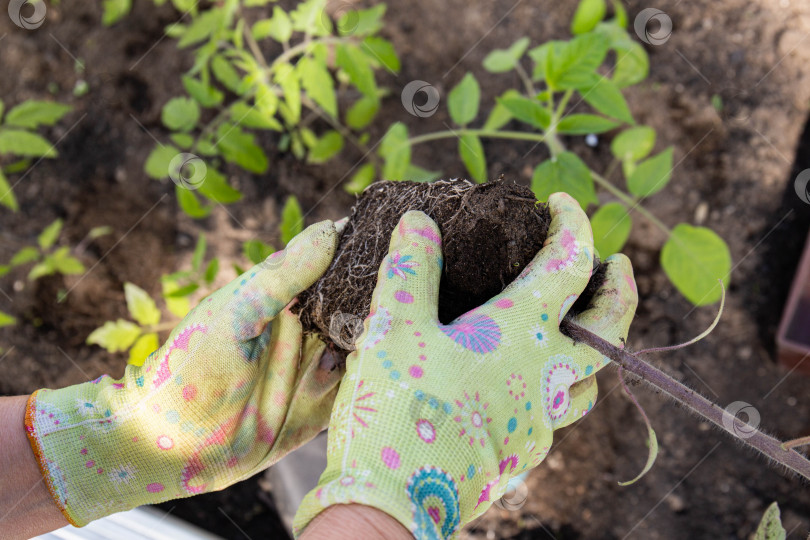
<point>233,390</point>
<point>432,420</point>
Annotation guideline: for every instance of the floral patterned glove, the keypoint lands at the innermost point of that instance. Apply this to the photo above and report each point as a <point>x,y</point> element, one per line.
<point>432,420</point>
<point>232,391</point>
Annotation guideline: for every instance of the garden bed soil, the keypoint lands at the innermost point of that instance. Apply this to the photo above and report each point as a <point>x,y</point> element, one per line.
<point>734,173</point>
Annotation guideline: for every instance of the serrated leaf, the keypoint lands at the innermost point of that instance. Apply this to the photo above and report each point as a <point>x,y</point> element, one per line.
<point>501,60</point>
<point>157,164</point>
<point>32,114</point>
<point>361,22</point>
<point>565,173</point>
<point>326,147</point>
<point>355,63</point>
<point>770,526</point>
<point>216,188</point>
<point>651,175</point>
<point>24,256</point>
<point>278,27</point>
<point>526,110</point>
<point>287,78</point>
<point>115,336</point>
<point>202,26</point>
<point>361,179</point>
<point>292,220</point>
<point>694,259</point>
<point>633,143</point>
<point>309,17</point>
<point>256,251</point>
<point>180,114</point>
<point>382,53</point>
<point>226,74</point>
<point>584,124</point>
<point>611,226</point>
<point>463,100</point>
<point>190,203</point>
<point>396,152</point>
<point>632,64</point>
<point>204,94</point>
<point>143,347</point>
<point>211,271</point>
<point>587,16</point>
<point>499,116</point>
<point>7,197</point>
<point>48,236</point>
<point>605,97</point>
<point>318,84</point>
<point>250,117</point>
<point>6,319</point>
<point>140,305</point>
<point>472,154</point>
<point>571,64</point>
<point>25,143</point>
<point>238,146</point>
<point>362,112</point>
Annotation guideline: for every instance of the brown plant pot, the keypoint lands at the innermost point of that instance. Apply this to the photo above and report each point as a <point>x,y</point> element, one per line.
<point>793,336</point>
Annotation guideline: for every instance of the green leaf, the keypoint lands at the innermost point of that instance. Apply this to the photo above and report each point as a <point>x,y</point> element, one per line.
<point>573,64</point>
<point>361,179</point>
<point>183,292</point>
<point>7,197</point>
<point>620,14</point>
<point>361,22</point>
<point>309,17</point>
<point>326,148</point>
<point>633,143</point>
<point>499,116</point>
<point>115,10</point>
<point>42,269</point>
<point>292,220</point>
<point>238,146</point>
<point>6,319</point>
<point>463,100</point>
<point>143,347</point>
<point>211,271</point>
<point>226,74</point>
<point>180,114</point>
<point>362,112</point>
<point>199,252</point>
<point>157,164</point>
<point>278,27</point>
<point>250,117</point>
<point>588,15</point>
<point>25,255</point>
<point>204,94</point>
<point>140,305</point>
<point>48,236</point>
<point>318,84</point>
<point>190,203</point>
<point>64,263</point>
<point>115,336</point>
<point>695,258</point>
<point>416,173</point>
<point>565,173</point>
<point>770,527</point>
<point>356,64</point>
<point>526,110</point>
<point>605,97</point>
<point>216,188</point>
<point>396,152</point>
<point>632,64</point>
<point>583,124</point>
<point>24,143</point>
<point>256,251</point>
<point>98,232</point>
<point>501,60</point>
<point>4,269</point>
<point>183,140</point>
<point>472,154</point>
<point>611,226</point>
<point>381,52</point>
<point>651,175</point>
<point>178,307</point>
<point>541,55</point>
<point>202,27</point>
<point>32,114</point>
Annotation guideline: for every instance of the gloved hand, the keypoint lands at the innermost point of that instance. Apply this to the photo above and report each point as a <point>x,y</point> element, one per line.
<point>431,420</point>
<point>233,390</point>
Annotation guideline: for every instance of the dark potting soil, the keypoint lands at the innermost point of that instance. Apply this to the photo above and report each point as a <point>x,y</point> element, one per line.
<point>490,232</point>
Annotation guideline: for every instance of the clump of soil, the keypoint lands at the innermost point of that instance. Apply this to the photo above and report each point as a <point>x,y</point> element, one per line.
<point>490,232</point>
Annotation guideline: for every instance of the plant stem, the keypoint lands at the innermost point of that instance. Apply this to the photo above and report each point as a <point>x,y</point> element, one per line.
<point>486,133</point>
<point>752,437</point>
<point>631,202</point>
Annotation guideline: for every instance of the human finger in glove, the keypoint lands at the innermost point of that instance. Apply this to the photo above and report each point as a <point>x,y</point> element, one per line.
<point>234,389</point>
<point>432,420</point>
